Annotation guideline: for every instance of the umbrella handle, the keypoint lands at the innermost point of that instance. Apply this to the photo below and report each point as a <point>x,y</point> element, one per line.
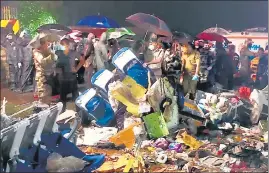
<point>145,35</point>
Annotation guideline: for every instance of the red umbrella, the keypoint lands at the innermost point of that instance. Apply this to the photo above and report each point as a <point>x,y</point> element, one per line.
<point>96,31</point>
<point>149,23</point>
<point>212,37</point>
<point>75,35</point>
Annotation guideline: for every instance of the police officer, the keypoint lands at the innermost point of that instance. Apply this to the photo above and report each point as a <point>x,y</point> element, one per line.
<point>14,57</point>
<point>27,62</point>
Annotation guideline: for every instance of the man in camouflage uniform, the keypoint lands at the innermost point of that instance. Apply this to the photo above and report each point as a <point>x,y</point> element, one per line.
<point>44,61</point>
<point>14,57</point>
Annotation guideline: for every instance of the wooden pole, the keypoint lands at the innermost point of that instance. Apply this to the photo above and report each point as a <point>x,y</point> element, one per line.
<point>3,107</point>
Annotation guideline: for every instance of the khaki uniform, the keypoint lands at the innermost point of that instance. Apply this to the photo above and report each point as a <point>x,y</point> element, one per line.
<point>190,62</point>
<point>189,85</point>
<point>245,53</point>
<point>42,62</point>
<point>151,55</point>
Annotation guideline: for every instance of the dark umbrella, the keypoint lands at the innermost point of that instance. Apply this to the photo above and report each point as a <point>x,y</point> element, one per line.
<point>55,32</point>
<point>149,23</point>
<point>98,21</point>
<point>126,41</point>
<point>54,27</point>
<point>182,37</point>
<point>166,39</point>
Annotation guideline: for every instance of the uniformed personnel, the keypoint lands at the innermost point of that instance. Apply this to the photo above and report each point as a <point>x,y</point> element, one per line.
<point>27,63</point>
<point>44,61</point>
<point>14,58</point>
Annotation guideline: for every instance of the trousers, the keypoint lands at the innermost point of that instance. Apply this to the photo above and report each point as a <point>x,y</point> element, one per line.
<point>14,75</point>
<point>68,85</point>
<point>88,75</point>
<point>189,85</point>
<point>227,81</point>
<point>27,68</point>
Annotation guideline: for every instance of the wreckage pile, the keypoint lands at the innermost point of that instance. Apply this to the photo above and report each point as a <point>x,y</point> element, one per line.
<point>145,125</point>
<point>156,133</point>
<point>225,141</point>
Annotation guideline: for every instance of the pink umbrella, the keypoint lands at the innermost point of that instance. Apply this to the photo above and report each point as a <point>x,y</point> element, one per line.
<point>149,23</point>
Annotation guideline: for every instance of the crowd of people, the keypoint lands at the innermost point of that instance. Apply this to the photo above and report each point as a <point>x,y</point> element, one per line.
<point>56,64</point>
<point>18,64</point>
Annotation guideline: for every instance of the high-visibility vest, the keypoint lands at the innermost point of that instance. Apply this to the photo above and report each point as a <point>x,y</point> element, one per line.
<point>254,67</point>
<point>254,64</point>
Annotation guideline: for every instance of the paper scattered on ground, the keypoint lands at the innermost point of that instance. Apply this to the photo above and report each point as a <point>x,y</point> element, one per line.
<point>68,114</point>
<point>93,135</point>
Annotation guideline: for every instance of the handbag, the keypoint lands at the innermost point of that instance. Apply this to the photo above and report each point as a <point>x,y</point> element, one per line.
<point>155,125</point>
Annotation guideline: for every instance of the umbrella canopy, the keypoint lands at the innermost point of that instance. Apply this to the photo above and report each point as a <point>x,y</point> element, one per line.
<point>84,29</point>
<point>98,21</point>
<point>55,32</point>
<point>118,32</point>
<point>149,23</point>
<point>182,37</point>
<point>217,30</point>
<point>54,27</point>
<point>212,37</point>
<point>166,39</point>
<point>75,35</point>
<point>35,42</point>
<point>126,43</point>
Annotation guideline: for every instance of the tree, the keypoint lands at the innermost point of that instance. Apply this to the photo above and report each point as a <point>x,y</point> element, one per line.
<point>32,15</point>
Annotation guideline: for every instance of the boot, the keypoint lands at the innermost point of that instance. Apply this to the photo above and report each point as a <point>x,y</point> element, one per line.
<point>29,82</point>
<point>18,90</point>
<point>28,89</point>
<point>12,86</point>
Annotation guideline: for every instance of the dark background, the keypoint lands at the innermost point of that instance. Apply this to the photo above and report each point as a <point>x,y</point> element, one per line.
<point>188,16</point>
<point>191,16</point>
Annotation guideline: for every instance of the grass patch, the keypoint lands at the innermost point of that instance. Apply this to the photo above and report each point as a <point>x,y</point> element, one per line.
<point>13,108</point>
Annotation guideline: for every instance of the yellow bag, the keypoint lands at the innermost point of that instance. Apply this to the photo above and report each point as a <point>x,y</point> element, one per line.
<point>124,95</point>
<point>137,90</point>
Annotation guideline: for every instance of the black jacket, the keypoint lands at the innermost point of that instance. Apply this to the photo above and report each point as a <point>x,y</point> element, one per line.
<point>14,53</point>
<point>224,64</point>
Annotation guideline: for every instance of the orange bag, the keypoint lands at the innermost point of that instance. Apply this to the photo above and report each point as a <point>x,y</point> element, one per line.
<point>125,136</point>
